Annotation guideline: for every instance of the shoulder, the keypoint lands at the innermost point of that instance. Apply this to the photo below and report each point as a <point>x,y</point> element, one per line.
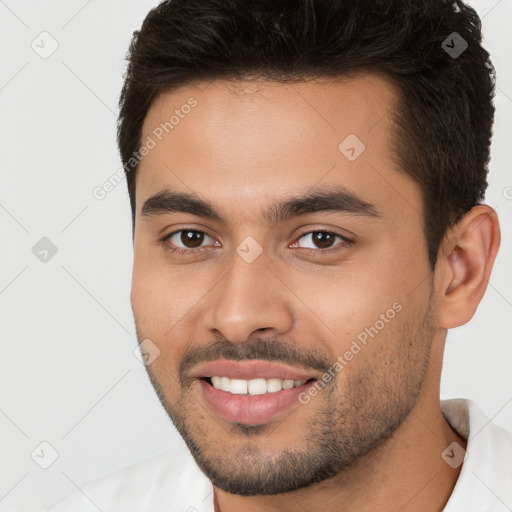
<point>168,482</point>
<point>485,479</point>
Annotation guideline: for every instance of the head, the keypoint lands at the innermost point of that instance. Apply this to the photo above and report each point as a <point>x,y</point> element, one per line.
<point>306,182</point>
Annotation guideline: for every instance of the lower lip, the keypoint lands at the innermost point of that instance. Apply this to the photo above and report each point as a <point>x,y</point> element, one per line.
<point>250,409</point>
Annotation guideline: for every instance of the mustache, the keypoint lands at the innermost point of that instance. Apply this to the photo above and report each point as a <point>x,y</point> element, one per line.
<point>267,349</point>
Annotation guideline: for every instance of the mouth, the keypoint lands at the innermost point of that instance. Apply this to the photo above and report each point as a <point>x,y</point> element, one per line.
<point>258,386</point>
<point>251,392</point>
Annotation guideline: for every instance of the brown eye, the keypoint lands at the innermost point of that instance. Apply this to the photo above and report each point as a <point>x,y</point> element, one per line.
<point>187,239</point>
<point>191,239</point>
<point>322,240</point>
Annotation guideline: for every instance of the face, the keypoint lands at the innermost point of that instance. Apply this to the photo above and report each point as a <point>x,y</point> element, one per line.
<point>281,270</point>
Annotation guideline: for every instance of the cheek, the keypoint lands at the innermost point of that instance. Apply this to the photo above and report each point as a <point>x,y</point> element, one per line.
<point>152,298</point>
<point>383,360</point>
<point>145,295</point>
<point>345,300</point>
<point>164,301</point>
<point>157,319</point>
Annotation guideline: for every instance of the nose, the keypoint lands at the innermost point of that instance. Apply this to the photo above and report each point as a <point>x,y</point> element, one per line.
<point>249,300</point>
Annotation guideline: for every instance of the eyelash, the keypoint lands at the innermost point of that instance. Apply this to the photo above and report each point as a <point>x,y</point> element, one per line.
<point>189,252</point>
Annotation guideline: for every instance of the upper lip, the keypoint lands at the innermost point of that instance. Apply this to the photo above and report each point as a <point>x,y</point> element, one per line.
<point>248,370</point>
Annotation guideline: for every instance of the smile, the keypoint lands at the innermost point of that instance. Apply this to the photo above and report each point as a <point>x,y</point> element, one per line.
<point>258,386</point>
<point>251,392</point>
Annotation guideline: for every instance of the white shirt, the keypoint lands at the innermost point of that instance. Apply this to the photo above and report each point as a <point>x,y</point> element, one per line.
<point>172,482</point>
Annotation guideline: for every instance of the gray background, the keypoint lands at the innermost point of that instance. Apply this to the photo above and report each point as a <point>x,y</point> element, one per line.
<point>68,375</point>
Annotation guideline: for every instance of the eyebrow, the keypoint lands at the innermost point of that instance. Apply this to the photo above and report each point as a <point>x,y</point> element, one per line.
<point>337,200</point>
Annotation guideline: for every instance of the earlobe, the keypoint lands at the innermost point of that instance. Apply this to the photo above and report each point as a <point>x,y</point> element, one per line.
<point>465,265</point>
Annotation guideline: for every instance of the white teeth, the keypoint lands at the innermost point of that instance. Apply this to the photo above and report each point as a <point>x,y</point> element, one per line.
<point>238,387</point>
<point>274,385</point>
<point>257,387</point>
<point>287,384</point>
<point>253,386</point>
<point>224,383</point>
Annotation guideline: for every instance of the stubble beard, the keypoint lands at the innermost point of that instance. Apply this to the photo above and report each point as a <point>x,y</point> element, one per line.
<point>354,416</point>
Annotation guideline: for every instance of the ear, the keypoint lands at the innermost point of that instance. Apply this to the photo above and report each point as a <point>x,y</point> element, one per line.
<point>464,265</point>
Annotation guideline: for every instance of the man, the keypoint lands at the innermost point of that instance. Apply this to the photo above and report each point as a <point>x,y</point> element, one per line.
<point>306,180</point>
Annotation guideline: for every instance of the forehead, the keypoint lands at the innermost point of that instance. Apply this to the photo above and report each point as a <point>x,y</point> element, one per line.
<point>243,143</point>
